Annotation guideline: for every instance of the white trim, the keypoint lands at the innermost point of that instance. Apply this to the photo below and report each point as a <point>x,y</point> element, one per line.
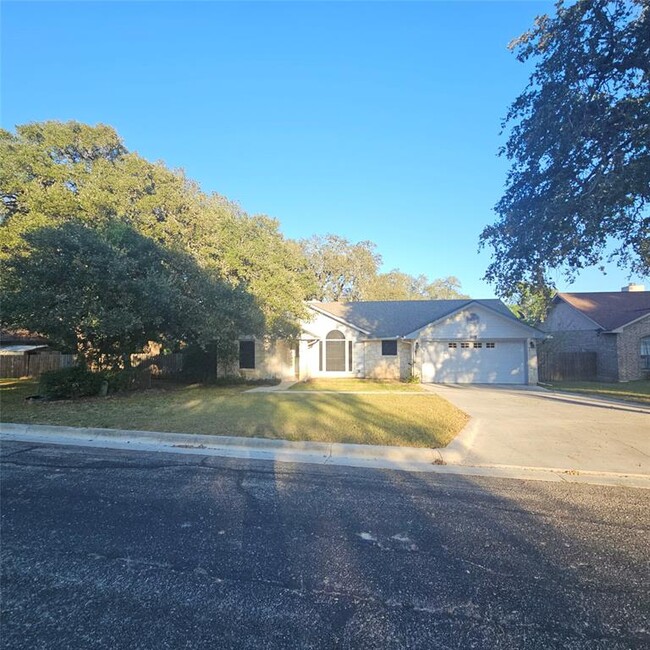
<point>348,360</point>
<point>338,319</point>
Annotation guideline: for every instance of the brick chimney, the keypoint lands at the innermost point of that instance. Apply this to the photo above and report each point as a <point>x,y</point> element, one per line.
<point>633,287</point>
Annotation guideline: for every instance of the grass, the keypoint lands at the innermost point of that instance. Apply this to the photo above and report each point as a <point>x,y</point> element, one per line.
<point>424,420</point>
<point>351,384</point>
<point>632,391</point>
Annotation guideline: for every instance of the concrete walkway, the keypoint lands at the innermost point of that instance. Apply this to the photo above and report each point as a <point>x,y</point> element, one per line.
<point>285,384</point>
<point>534,427</point>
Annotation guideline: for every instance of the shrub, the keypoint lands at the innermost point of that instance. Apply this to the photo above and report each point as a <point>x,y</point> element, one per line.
<point>125,380</point>
<point>199,366</point>
<point>71,382</point>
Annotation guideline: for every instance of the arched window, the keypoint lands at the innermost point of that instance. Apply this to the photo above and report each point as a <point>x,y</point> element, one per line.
<point>645,353</point>
<point>335,352</point>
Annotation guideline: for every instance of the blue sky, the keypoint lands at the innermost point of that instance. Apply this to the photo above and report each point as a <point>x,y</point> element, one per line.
<point>371,120</point>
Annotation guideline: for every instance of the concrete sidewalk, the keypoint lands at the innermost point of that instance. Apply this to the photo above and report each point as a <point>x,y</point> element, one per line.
<point>281,387</point>
<point>411,459</point>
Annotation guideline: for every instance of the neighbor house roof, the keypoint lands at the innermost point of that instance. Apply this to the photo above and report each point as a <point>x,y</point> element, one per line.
<point>26,337</point>
<point>397,318</point>
<point>610,309</point>
<point>9,350</point>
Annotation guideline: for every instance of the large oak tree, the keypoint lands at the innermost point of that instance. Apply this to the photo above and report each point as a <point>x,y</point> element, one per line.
<point>578,189</point>
<point>104,293</point>
<point>54,173</point>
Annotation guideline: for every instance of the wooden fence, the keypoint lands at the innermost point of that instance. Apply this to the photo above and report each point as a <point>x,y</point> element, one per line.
<point>33,365</point>
<point>567,366</point>
<point>161,365</point>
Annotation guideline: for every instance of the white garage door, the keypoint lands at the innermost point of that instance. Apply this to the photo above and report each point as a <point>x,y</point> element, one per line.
<point>474,362</point>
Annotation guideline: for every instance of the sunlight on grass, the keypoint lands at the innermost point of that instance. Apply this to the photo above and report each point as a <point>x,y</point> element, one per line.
<point>345,384</point>
<point>192,404</point>
<point>423,420</point>
<point>632,391</point>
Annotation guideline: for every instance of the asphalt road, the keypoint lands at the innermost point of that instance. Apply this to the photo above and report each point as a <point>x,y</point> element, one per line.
<point>112,549</point>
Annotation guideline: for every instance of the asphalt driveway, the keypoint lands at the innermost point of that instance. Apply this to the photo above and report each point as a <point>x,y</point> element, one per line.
<point>534,427</point>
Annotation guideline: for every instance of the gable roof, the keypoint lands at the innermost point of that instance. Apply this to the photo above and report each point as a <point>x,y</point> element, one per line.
<point>398,318</point>
<point>610,309</point>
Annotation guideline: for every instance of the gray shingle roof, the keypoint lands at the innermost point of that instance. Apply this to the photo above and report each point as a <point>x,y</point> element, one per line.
<point>395,318</point>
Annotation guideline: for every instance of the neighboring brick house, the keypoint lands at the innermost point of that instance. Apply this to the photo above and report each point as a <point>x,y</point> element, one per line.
<point>613,324</point>
<point>446,341</point>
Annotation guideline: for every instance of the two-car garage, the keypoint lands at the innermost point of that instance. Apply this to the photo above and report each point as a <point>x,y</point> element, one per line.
<point>474,362</point>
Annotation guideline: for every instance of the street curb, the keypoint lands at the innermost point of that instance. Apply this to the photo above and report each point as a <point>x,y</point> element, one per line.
<point>459,447</point>
<point>200,441</point>
<point>407,459</point>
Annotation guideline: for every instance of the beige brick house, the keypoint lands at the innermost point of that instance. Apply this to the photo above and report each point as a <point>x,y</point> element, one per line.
<point>613,324</point>
<point>445,341</point>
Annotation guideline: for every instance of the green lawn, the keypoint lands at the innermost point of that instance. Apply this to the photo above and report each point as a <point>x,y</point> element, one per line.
<point>424,420</point>
<point>632,391</point>
<point>351,384</point>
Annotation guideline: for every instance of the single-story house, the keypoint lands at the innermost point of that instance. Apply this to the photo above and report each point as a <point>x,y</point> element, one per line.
<point>613,324</point>
<point>444,341</point>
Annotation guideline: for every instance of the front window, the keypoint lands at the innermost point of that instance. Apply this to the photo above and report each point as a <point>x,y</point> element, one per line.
<point>389,348</point>
<point>645,353</point>
<point>335,352</point>
<point>247,354</point>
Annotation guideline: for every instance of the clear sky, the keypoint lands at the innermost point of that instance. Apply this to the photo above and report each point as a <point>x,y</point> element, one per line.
<point>371,120</point>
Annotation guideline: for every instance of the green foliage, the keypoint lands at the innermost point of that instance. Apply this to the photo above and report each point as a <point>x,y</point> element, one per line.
<point>251,251</point>
<point>396,285</point>
<point>106,292</point>
<point>578,143</point>
<point>70,383</point>
<point>199,365</point>
<point>346,271</point>
<point>120,381</point>
<point>531,303</point>
<point>54,173</point>
<point>342,270</point>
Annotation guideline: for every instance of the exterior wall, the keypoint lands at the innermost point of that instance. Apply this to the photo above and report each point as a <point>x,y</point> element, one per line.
<point>619,357</point>
<point>533,375</point>
<point>604,345</point>
<point>629,350</point>
<point>607,359</point>
<point>316,330</point>
<point>488,325</point>
<point>377,366</point>
<point>574,341</point>
<point>563,317</point>
<point>273,359</point>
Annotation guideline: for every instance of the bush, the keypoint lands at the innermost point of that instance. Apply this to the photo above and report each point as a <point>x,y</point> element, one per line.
<point>124,380</point>
<point>68,383</point>
<point>199,366</point>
